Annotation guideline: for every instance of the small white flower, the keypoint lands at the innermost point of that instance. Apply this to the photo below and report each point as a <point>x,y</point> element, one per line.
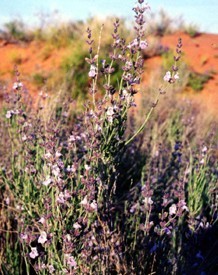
<point>51,269</point>
<point>98,128</point>
<point>176,76</point>
<point>47,181</point>
<point>48,155</point>
<point>125,93</point>
<point>42,238</point>
<point>84,201</point>
<point>128,64</point>
<point>70,260</point>
<point>94,205</point>
<point>167,76</point>
<point>67,194</point>
<point>172,209</point>
<point>42,220</point>
<point>17,85</point>
<point>9,114</point>
<point>16,112</point>
<point>143,44</point>
<point>72,138</point>
<point>69,169</point>
<point>34,253</point>
<point>24,138</point>
<point>19,207</point>
<point>183,205</point>
<point>58,154</point>
<point>55,170</point>
<point>24,236</point>
<point>7,200</point>
<point>110,119</point>
<point>110,111</point>
<point>204,149</point>
<point>68,237</point>
<point>135,42</point>
<point>134,208</point>
<point>92,71</point>
<point>61,198</point>
<point>76,225</point>
<point>87,167</point>
<point>148,200</point>
<point>202,161</point>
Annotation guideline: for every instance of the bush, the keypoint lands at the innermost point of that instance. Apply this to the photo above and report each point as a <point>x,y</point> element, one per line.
<point>94,193</point>
<point>196,80</point>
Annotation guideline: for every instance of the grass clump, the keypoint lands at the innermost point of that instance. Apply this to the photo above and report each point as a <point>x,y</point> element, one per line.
<point>192,30</point>
<point>38,79</point>
<point>196,80</point>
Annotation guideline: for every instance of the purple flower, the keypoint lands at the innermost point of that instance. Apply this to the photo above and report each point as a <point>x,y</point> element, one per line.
<point>92,71</point>
<point>70,260</point>
<point>76,225</point>
<point>176,76</point>
<point>17,85</point>
<point>84,202</point>
<point>148,200</point>
<point>42,238</point>
<point>204,149</point>
<point>9,114</point>
<point>47,181</point>
<point>51,269</point>
<point>167,76</point>
<point>172,209</point>
<point>110,111</point>
<point>94,205</point>
<point>42,220</point>
<point>61,198</point>
<point>34,253</point>
<point>143,44</point>
<point>24,236</point>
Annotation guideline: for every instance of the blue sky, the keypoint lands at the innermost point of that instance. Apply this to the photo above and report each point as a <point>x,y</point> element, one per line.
<point>200,12</point>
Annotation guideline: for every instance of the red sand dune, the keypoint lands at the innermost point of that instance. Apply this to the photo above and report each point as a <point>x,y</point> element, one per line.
<point>201,54</point>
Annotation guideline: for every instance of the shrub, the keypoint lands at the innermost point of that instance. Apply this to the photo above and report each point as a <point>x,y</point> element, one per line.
<point>39,79</point>
<point>94,193</point>
<point>16,30</point>
<point>192,30</point>
<point>196,80</point>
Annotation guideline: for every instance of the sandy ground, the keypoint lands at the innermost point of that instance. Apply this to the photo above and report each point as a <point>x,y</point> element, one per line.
<point>200,54</point>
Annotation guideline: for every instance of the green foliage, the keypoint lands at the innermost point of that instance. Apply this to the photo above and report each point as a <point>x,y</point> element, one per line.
<point>16,58</point>
<point>197,189</point>
<point>16,30</point>
<point>196,80</point>
<point>39,79</point>
<point>167,60</point>
<point>75,70</point>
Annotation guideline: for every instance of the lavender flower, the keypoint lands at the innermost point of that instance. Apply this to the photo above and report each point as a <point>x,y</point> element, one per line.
<point>143,44</point>
<point>42,238</point>
<point>172,209</point>
<point>70,260</point>
<point>47,181</point>
<point>17,85</point>
<point>34,253</point>
<point>93,71</point>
